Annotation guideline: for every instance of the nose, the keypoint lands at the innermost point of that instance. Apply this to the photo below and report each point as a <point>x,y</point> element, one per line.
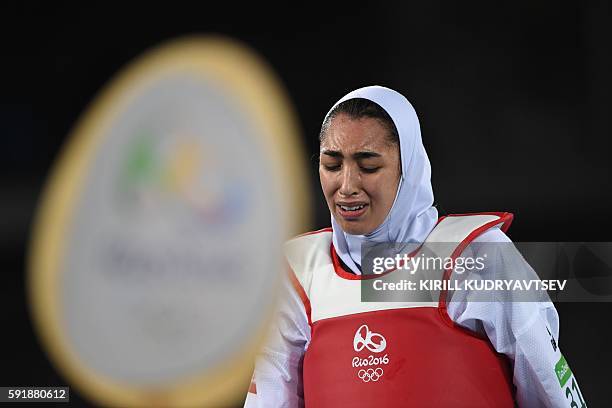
<point>350,181</point>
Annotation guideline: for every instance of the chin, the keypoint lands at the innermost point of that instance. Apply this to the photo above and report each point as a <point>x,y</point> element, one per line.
<point>353,229</point>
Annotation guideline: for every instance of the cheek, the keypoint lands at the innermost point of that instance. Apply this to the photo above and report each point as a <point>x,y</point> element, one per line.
<point>382,189</point>
<point>391,191</point>
<point>326,184</point>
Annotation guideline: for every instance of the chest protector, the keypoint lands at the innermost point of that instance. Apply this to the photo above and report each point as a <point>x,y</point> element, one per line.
<point>393,354</point>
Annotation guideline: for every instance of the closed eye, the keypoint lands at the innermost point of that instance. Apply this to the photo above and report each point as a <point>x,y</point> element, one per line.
<point>335,167</point>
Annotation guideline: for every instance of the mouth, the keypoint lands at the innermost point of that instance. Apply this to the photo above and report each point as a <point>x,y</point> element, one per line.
<point>351,211</point>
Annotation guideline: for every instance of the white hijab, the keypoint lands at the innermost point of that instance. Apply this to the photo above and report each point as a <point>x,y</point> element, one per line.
<point>412,216</point>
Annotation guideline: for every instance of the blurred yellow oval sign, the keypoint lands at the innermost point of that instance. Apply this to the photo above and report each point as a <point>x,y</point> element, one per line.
<point>157,248</point>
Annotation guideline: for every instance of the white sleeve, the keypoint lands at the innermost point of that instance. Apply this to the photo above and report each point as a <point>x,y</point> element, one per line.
<point>277,378</point>
<point>526,332</point>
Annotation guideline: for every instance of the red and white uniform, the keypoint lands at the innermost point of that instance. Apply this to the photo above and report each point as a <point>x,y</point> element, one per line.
<point>331,349</point>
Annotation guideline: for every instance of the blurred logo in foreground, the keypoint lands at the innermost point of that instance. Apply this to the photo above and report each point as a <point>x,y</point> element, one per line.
<point>157,249</point>
<point>157,177</point>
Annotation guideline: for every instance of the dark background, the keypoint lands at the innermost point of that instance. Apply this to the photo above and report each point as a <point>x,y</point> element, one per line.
<point>514,103</point>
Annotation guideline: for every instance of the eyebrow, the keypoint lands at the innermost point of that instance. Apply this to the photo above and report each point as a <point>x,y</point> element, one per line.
<point>356,156</point>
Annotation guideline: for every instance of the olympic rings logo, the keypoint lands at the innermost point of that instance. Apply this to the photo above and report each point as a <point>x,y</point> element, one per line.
<point>370,374</point>
<point>374,342</point>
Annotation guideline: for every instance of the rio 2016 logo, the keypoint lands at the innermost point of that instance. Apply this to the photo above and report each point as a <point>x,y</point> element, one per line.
<point>374,342</point>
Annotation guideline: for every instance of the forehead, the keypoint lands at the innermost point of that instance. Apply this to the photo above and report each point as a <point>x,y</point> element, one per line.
<point>346,134</point>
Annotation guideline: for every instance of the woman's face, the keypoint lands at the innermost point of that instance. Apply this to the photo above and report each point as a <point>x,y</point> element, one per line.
<point>359,170</point>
